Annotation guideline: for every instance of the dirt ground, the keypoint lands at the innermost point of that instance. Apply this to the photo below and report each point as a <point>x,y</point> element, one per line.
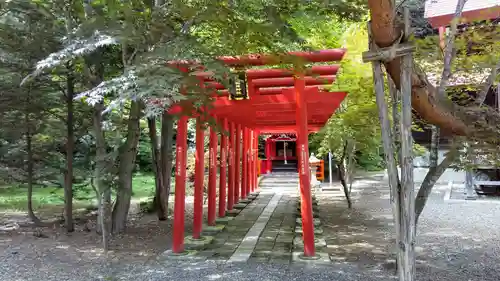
<point>145,238</point>
<point>456,241</point>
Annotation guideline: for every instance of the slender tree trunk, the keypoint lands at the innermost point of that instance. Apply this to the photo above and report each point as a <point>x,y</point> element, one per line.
<point>157,169</point>
<point>167,156</point>
<point>430,180</point>
<point>434,174</point>
<point>434,149</point>
<point>68,181</point>
<point>128,152</point>
<point>29,152</point>
<point>102,188</point>
<point>343,174</point>
<point>102,221</point>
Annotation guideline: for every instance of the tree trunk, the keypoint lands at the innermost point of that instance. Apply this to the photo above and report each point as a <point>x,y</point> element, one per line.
<point>424,99</point>
<point>167,156</point>
<point>343,174</point>
<point>430,180</point>
<point>102,188</point>
<point>102,221</point>
<point>434,174</point>
<point>157,169</point>
<point>68,180</point>
<point>434,149</point>
<point>29,152</point>
<point>128,152</point>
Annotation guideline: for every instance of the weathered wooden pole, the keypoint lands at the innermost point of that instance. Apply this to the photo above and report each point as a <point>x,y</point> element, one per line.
<point>407,193</point>
<point>402,193</point>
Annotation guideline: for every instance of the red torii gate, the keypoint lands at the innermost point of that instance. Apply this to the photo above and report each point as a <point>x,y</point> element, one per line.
<point>280,101</point>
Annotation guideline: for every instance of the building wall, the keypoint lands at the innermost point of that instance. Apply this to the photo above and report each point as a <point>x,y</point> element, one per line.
<point>434,8</point>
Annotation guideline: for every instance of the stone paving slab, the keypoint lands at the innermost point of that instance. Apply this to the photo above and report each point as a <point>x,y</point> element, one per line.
<point>227,242</point>
<point>247,246</point>
<point>263,230</point>
<point>319,243</point>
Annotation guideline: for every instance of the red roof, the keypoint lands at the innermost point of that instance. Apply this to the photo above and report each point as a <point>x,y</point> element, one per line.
<point>440,12</point>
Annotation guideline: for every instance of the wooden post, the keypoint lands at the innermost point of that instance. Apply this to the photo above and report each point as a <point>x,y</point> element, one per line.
<point>237,164</point>
<point>306,209</point>
<point>180,186</point>
<point>402,193</point>
<point>199,179</point>
<point>231,165</point>
<point>223,169</point>
<point>212,177</point>
<point>407,194</point>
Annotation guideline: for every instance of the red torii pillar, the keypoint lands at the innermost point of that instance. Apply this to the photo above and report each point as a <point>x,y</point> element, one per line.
<point>268,156</point>
<point>180,186</point>
<point>250,162</point>
<point>237,165</point>
<point>199,174</point>
<point>223,167</point>
<point>212,178</point>
<point>256,160</point>
<point>304,174</point>
<point>244,164</point>
<point>231,165</point>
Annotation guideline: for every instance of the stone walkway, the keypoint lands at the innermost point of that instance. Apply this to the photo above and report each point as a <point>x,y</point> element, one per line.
<point>264,230</point>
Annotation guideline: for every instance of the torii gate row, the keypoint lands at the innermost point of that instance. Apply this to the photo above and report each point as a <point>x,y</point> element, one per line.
<point>283,109</point>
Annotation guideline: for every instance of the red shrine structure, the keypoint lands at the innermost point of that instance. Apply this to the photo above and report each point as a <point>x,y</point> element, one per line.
<point>280,153</point>
<point>260,101</point>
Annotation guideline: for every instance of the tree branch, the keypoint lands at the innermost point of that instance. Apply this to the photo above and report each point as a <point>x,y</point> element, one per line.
<point>450,52</point>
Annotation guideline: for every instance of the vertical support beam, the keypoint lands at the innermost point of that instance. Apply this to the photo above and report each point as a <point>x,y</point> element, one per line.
<point>330,168</point>
<point>199,173</point>
<point>256,160</point>
<point>407,194</point>
<point>304,173</point>
<point>212,177</point>
<point>244,164</point>
<point>251,162</point>
<point>268,156</point>
<point>231,165</point>
<point>223,168</point>
<point>180,186</point>
<point>392,171</point>
<point>237,165</point>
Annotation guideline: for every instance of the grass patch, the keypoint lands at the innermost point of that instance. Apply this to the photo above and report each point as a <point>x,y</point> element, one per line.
<point>15,197</point>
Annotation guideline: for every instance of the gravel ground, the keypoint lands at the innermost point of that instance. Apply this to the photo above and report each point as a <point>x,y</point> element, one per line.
<point>456,241</point>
